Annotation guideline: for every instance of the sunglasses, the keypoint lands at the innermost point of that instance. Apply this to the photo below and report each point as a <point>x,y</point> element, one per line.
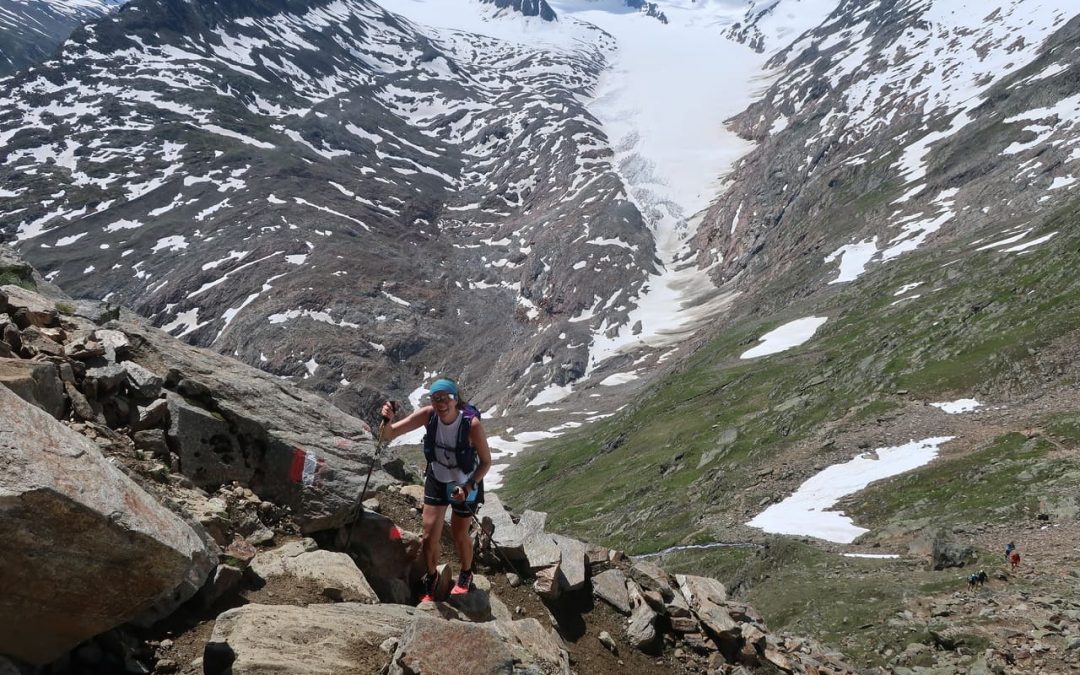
<point>442,398</point>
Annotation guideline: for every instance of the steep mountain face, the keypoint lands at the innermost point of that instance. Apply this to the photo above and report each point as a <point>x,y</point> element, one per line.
<point>538,8</point>
<point>327,192</point>
<point>31,30</point>
<point>904,234</point>
<point>648,9</point>
<point>919,111</point>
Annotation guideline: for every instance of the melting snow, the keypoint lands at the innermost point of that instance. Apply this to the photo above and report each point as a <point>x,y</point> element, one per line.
<point>1028,244</point>
<point>806,513</point>
<point>791,334</point>
<point>853,259</point>
<point>172,244</point>
<point>960,405</point>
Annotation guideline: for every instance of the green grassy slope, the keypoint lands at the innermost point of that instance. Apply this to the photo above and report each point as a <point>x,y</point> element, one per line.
<point>711,443</point>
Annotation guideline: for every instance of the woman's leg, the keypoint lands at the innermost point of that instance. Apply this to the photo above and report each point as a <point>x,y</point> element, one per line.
<point>459,528</point>
<point>433,524</point>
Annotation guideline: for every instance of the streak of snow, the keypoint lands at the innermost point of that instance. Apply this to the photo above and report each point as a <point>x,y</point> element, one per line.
<point>806,512</point>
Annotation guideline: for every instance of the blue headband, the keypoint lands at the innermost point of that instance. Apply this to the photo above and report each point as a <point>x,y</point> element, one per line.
<point>444,385</point>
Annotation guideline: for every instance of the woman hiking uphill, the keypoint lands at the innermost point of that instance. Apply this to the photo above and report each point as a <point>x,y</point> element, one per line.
<point>458,458</point>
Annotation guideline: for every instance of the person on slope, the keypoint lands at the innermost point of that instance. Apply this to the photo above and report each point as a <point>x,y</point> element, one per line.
<point>458,458</point>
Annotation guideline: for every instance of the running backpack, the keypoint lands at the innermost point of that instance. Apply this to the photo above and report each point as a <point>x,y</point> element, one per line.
<point>464,452</point>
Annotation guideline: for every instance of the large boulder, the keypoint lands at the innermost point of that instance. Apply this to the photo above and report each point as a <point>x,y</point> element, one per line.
<point>707,599</point>
<point>84,548</point>
<point>572,563</point>
<point>288,445</point>
<point>28,308</point>
<point>610,586</point>
<point>480,649</point>
<point>387,555</point>
<point>335,574</point>
<point>37,383</point>
<point>652,578</point>
<point>508,537</point>
<point>312,640</point>
<point>541,550</point>
<point>948,552</point>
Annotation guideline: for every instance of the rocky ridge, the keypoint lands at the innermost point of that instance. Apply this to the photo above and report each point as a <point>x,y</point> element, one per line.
<point>964,106</point>
<point>203,530</point>
<point>182,141</point>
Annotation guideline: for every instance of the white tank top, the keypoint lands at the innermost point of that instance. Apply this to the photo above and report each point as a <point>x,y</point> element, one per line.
<point>445,468</point>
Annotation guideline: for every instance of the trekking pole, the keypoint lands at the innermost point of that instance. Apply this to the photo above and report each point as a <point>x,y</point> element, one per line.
<point>358,510</point>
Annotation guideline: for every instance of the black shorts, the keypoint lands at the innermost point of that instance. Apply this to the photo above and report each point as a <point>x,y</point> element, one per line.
<point>437,493</point>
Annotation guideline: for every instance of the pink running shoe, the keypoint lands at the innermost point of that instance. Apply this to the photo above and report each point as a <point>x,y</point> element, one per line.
<point>463,585</point>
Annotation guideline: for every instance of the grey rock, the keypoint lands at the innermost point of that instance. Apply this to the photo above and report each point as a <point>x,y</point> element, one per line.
<point>387,555</point>
<point>149,416</point>
<point>547,583</point>
<point>694,589</point>
<point>335,573</point>
<point>572,562</point>
<point>641,627</point>
<point>541,550</point>
<point>84,409</point>
<point>114,342</point>
<point>290,446</point>
<point>210,453</point>
<point>610,586</point>
<point>226,578</point>
<point>152,441</point>
<point>496,647</point>
<point>29,308</point>
<point>104,380</point>
<point>609,643</point>
<point>36,341</point>
<point>96,312</point>
<point>652,578</point>
<point>12,337</point>
<point>67,373</point>
<point>36,382</point>
<point>655,601</point>
<point>141,381</point>
<point>78,533</point>
<point>508,537</point>
<point>255,639</point>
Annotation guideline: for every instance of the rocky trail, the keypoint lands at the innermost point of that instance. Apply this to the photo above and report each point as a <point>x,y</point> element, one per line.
<point>169,510</point>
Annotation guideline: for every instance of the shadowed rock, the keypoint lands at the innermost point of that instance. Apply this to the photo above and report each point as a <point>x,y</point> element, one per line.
<point>335,574</point>
<point>80,534</point>
<point>35,382</point>
<point>290,446</point>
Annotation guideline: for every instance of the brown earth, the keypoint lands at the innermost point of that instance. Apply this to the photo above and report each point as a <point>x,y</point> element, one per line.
<point>579,620</point>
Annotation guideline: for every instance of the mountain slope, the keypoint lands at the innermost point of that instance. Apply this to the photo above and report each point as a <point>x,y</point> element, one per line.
<point>31,30</point>
<point>912,193</point>
<point>179,145</point>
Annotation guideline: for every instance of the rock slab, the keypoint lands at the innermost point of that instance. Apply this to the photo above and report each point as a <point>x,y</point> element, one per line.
<point>85,548</point>
<point>312,640</point>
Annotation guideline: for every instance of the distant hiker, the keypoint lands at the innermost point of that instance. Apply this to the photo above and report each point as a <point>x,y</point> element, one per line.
<point>973,581</point>
<point>458,458</point>
<point>1014,559</point>
<point>1008,550</point>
